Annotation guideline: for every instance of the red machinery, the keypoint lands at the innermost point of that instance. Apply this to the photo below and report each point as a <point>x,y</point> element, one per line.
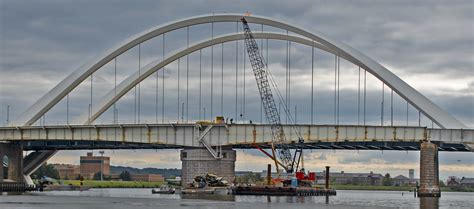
<point>301,175</point>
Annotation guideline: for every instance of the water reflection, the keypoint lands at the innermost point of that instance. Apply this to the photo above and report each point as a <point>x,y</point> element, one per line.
<point>346,198</point>
<point>209,197</point>
<point>429,202</point>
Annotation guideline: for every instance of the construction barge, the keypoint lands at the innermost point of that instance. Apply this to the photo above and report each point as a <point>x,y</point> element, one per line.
<point>282,191</point>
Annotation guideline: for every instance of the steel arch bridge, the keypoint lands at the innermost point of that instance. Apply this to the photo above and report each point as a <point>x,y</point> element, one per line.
<point>306,37</point>
<point>46,140</point>
<point>21,130</point>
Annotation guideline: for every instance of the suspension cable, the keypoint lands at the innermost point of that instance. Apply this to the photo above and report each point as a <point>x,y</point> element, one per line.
<point>163,85</point>
<point>391,107</point>
<point>242,113</point>
<point>289,75</point>
<point>156,95</point>
<point>222,79</point>
<point>312,82</point>
<point>286,79</point>
<point>187,76</point>
<point>200,83</point>
<point>365,94</point>
<point>261,101</point>
<point>90,105</point>
<point>139,84</point>
<point>67,109</point>
<point>358,99</point>
<point>338,85</point>
<point>115,90</point>
<point>236,74</point>
<point>212,71</point>
<point>382,104</point>
<point>335,88</point>
<point>179,62</point>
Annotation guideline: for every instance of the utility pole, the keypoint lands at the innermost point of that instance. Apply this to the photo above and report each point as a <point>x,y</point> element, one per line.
<point>101,165</point>
<point>8,114</point>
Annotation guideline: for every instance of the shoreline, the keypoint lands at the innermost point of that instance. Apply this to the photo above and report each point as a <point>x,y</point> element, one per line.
<point>114,184</point>
<point>387,188</point>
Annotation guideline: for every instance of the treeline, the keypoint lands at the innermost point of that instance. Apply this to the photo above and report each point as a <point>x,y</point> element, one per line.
<point>165,172</point>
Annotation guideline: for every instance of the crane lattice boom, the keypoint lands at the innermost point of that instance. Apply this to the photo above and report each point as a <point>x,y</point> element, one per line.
<point>266,95</point>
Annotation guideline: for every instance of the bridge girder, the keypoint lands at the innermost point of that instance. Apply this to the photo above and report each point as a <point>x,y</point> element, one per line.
<point>173,136</point>
<point>431,110</point>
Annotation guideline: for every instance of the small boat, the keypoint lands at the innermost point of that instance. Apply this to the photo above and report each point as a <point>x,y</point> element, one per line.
<point>164,189</point>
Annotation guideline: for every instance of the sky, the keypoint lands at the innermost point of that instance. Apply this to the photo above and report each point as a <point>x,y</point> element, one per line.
<point>428,44</point>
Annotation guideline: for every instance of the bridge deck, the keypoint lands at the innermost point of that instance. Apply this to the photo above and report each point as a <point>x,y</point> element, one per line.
<point>235,135</point>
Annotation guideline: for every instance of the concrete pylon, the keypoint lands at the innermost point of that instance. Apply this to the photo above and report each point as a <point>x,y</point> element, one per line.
<point>198,161</point>
<point>13,154</point>
<point>429,172</point>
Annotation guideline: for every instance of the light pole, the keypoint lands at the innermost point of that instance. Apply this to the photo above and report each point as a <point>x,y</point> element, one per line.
<point>101,165</point>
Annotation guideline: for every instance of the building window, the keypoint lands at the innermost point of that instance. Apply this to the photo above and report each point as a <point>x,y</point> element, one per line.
<point>184,155</point>
<point>224,155</point>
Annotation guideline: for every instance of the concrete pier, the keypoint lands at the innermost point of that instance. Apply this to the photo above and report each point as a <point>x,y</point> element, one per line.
<point>12,168</point>
<point>429,176</point>
<point>200,162</point>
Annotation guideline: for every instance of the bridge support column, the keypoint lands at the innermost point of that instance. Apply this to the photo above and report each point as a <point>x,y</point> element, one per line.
<point>11,156</point>
<point>198,161</point>
<point>429,176</point>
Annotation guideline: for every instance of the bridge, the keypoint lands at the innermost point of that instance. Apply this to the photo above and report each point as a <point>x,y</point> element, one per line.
<point>177,126</point>
<point>240,136</point>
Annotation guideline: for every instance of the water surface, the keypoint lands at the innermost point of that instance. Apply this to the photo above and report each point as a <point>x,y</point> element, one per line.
<point>143,199</point>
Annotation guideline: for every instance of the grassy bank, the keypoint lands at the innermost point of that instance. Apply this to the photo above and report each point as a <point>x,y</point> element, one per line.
<point>115,184</point>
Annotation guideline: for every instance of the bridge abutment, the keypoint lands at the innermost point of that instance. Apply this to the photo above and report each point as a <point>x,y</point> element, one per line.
<point>12,162</point>
<point>429,171</point>
<point>198,161</point>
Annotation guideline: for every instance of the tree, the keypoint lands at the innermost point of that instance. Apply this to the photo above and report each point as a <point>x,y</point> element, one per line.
<point>441,183</point>
<point>249,178</point>
<point>97,176</point>
<point>46,170</point>
<point>387,180</point>
<point>125,176</point>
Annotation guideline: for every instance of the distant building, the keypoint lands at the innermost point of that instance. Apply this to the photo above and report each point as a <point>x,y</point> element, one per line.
<point>467,182</point>
<point>453,181</point>
<point>140,177</point>
<point>90,165</point>
<point>283,174</point>
<point>243,173</point>
<point>400,180</point>
<point>67,171</point>
<point>351,178</point>
<point>411,174</point>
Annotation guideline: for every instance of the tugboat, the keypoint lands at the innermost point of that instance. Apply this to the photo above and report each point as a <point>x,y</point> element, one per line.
<point>164,189</point>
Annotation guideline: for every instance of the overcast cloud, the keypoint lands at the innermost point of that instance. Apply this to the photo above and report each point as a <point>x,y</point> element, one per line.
<point>428,44</point>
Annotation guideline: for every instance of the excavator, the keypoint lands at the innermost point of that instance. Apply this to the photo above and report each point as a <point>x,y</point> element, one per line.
<point>281,153</point>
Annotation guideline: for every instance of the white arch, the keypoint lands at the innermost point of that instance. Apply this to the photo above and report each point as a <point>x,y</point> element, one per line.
<point>126,85</point>
<point>431,110</point>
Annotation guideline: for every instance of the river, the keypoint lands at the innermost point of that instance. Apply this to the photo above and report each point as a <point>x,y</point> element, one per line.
<point>143,199</point>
